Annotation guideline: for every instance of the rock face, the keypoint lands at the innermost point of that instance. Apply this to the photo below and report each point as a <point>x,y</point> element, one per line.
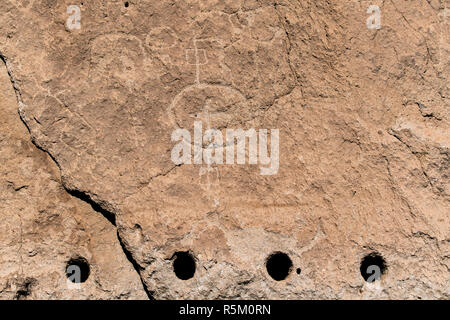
<point>43,228</point>
<point>358,177</point>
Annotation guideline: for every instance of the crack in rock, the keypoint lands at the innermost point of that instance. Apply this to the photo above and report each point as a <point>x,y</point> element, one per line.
<point>97,206</point>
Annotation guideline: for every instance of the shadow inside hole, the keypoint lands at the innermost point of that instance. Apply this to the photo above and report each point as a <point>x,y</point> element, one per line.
<point>78,270</point>
<point>278,265</point>
<point>24,289</point>
<point>373,266</point>
<point>184,265</point>
<point>126,4</point>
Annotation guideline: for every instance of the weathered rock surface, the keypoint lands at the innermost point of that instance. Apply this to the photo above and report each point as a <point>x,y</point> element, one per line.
<point>364,142</point>
<point>42,227</point>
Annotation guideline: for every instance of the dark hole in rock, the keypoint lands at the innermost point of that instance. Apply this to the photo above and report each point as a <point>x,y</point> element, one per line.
<point>24,289</point>
<point>184,265</point>
<point>126,4</point>
<point>279,265</point>
<point>299,270</point>
<point>372,267</point>
<point>78,270</point>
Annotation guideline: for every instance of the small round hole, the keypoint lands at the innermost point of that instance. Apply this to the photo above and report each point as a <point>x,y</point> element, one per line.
<point>184,265</point>
<point>373,266</point>
<point>279,266</point>
<point>78,270</point>
<point>299,270</point>
<point>126,4</point>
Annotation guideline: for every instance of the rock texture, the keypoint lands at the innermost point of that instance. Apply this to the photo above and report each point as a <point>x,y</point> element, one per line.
<point>42,227</point>
<point>363,116</point>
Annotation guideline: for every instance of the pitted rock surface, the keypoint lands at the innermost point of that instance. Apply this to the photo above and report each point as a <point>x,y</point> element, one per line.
<point>363,120</point>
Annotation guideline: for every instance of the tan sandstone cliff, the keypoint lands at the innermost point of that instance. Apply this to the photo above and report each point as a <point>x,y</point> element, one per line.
<point>87,117</point>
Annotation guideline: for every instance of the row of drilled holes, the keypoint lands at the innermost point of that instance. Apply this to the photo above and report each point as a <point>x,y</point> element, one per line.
<point>278,266</point>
